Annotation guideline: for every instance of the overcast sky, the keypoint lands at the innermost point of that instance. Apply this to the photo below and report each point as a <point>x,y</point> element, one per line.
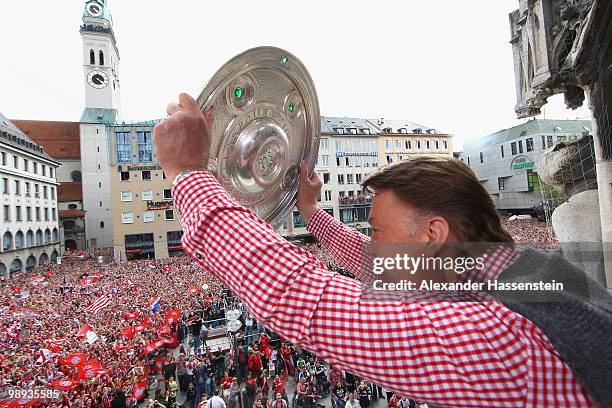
<point>441,63</point>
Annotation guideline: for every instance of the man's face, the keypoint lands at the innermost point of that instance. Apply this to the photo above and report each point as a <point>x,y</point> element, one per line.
<point>394,221</point>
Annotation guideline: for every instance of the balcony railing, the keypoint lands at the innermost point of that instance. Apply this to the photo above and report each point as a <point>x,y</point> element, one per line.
<point>356,200</point>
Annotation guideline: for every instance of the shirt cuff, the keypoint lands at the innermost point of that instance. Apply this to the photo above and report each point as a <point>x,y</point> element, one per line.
<point>197,188</point>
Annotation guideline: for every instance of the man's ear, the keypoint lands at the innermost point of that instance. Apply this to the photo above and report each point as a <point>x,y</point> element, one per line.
<point>438,230</point>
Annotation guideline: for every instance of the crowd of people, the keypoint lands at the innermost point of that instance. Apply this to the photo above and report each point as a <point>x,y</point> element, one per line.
<point>110,334</point>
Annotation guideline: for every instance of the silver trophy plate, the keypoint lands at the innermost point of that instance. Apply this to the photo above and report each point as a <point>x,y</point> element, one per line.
<point>266,121</point>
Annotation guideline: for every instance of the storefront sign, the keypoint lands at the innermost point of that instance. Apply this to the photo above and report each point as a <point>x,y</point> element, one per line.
<point>521,162</point>
<point>347,154</point>
<point>144,168</point>
<point>159,205</point>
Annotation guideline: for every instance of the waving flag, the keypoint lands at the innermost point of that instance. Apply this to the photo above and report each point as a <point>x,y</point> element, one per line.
<point>129,332</point>
<point>55,344</point>
<point>37,280</point>
<point>90,280</point>
<point>131,315</point>
<point>139,389</point>
<point>167,268</point>
<point>172,317</point>
<point>154,304</point>
<point>163,330</point>
<point>73,359</point>
<point>89,370</point>
<point>83,330</point>
<point>151,264</point>
<point>64,384</point>
<point>99,304</point>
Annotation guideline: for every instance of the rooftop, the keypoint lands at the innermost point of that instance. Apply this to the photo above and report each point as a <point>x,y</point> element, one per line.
<point>531,127</point>
<point>13,136</point>
<point>70,191</point>
<point>60,139</point>
<point>346,126</point>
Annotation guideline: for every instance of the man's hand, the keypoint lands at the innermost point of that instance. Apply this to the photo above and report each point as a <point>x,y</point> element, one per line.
<point>310,187</point>
<point>182,141</point>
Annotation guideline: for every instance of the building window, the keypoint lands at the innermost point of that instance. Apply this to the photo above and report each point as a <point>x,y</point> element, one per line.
<point>36,190</point>
<point>389,159</point>
<point>549,140</point>
<point>101,58</point>
<point>145,147</point>
<point>53,193</point>
<point>18,213</point>
<point>15,162</point>
<point>346,160</point>
<point>328,195</point>
<point>5,185</point>
<point>167,193</point>
<point>45,195</point>
<point>500,183</point>
<point>337,161</point>
<point>124,147</point>
<point>37,213</point>
<point>100,203</point>
<point>418,143</point>
<point>520,145</point>
<point>76,176</point>
<point>101,224</point>
<point>148,216</point>
<point>35,168</point>
<point>502,150</point>
<point>44,170</point>
<point>28,213</point>
<point>163,175</point>
<point>340,178</point>
<point>481,157</point>
<point>7,213</point>
<point>46,214</point>
<point>169,214</point>
<point>146,175</point>
<point>398,144</point>
<point>25,165</point>
<point>325,178</point>
<point>533,180</point>
<point>349,179</point>
<point>437,145</point>
<point>3,159</point>
<point>325,160</point>
<point>127,218</point>
<point>358,178</point>
<point>529,143</point>
<point>468,160</point>
<point>51,172</point>
<point>92,57</point>
<point>324,144</point>
<point>126,196</point>
<point>54,213</point>
<point>125,176</point>
<point>427,145</point>
<point>147,195</point>
<point>513,148</point>
<point>387,145</point>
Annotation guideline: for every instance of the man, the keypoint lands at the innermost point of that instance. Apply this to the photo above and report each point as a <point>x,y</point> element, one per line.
<point>445,353</point>
<point>279,402</point>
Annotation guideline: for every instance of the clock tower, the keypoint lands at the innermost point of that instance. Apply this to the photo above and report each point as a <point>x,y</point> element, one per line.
<point>100,62</point>
<point>102,110</point>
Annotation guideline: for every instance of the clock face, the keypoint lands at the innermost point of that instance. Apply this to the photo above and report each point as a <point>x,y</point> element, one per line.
<point>94,9</point>
<point>97,79</point>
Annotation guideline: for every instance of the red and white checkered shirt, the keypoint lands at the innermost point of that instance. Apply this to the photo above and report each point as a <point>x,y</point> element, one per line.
<point>472,354</point>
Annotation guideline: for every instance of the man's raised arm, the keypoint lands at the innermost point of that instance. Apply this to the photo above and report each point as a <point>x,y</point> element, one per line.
<point>346,245</point>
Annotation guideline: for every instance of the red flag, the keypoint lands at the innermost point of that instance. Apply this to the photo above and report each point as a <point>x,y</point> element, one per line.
<point>73,359</point>
<point>147,322</point>
<point>129,332</point>
<point>150,347</point>
<point>138,391</point>
<point>55,344</point>
<point>159,362</point>
<point>193,290</point>
<point>90,280</point>
<point>159,343</point>
<point>167,268</point>
<point>89,370</point>
<point>64,384</point>
<point>151,264</point>
<point>163,330</point>
<point>131,315</point>
<point>99,304</point>
<point>83,330</point>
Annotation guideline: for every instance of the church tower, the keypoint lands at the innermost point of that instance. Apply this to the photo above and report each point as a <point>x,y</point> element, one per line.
<point>100,60</point>
<point>102,110</point>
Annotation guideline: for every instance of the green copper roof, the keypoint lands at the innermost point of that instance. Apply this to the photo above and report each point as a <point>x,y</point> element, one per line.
<point>99,115</point>
<point>106,15</point>
<point>531,127</point>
